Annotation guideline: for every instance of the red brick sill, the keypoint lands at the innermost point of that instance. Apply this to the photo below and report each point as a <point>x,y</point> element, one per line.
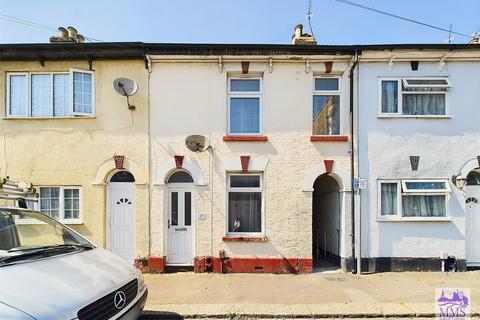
<point>246,138</point>
<point>244,239</point>
<point>328,138</point>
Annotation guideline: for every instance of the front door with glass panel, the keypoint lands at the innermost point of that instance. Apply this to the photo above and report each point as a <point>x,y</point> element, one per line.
<point>472,216</point>
<point>180,229</point>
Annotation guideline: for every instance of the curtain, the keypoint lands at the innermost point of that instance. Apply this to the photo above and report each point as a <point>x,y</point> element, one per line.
<point>389,96</point>
<point>244,115</point>
<point>388,199</point>
<point>424,104</point>
<point>423,205</point>
<point>60,94</point>
<point>18,93</point>
<point>41,99</point>
<point>244,212</point>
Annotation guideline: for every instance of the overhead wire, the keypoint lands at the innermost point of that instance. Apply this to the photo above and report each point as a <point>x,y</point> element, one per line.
<point>400,17</point>
<point>36,25</point>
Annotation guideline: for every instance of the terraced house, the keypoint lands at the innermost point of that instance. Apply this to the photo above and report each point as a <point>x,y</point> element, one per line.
<point>252,158</point>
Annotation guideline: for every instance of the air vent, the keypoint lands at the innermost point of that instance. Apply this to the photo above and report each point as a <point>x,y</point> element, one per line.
<point>414,160</point>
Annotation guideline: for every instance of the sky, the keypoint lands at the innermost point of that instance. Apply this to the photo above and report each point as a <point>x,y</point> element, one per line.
<point>240,21</point>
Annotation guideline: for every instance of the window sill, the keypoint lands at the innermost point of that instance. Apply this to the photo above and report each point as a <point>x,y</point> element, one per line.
<point>245,239</point>
<point>328,138</point>
<point>245,138</point>
<point>48,118</point>
<point>415,219</point>
<point>397,116</point>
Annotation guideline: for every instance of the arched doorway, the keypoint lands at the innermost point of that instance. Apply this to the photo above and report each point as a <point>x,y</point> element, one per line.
<point>472,218</point>
<point>121,214</point>
<point>180,219</point>
<point>326,223</point>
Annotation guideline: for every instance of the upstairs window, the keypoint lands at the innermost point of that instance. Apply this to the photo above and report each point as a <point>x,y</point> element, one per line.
<point>413,198</point>
<point>414,96</point>
<point>50,95</point>
<point>326,106</point>
<point>244,106</point>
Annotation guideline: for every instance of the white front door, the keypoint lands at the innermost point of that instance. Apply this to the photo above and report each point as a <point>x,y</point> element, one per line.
<point>121,219</point>
<point>472,222</point>
<point>180,230</point>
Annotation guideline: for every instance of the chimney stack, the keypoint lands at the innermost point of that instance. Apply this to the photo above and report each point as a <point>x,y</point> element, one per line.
<point>302,38</point>
<point>69,34</point>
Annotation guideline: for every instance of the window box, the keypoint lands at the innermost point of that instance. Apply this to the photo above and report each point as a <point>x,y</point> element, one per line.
<point>50,95</point>
<point>244,106</point>
<point>413,97</point>
<point>245,215</point>
<point>326,119</point>
<point>413,200</point>
<point>245,138</point>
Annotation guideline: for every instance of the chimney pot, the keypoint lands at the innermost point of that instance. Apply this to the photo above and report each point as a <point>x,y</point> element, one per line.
<point>72,33</point>
<point>302,38</point>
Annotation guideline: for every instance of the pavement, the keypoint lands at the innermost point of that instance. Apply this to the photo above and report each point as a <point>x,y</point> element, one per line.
<point>316,295</point>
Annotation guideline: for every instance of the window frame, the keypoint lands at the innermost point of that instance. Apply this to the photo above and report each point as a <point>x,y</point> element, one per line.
<point>400,193</point>
<point>61,208</point>
<point>7,94</point>
<point>338,93</point>
<point>71,103</point>
<point>245,94</point>
<point>404,81</point>
<point>28,98</point>
<point>260,189</point>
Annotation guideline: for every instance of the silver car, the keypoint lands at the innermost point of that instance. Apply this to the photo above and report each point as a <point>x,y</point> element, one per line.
<point>49,271</point>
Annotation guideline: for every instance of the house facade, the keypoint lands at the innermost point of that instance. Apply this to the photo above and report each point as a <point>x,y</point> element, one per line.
<point>252,158</point>
<point>418,142</point>
<point>62,127</point>
<point>271,192</point>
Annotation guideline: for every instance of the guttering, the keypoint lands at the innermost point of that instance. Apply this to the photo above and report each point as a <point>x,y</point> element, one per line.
<point>352,161</point>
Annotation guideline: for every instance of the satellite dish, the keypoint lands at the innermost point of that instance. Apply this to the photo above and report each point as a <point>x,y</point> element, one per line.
<point>126,87</point>
<point>197,143</point>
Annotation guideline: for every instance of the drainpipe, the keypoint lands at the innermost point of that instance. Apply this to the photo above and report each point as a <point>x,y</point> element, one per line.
<point>352,159</point>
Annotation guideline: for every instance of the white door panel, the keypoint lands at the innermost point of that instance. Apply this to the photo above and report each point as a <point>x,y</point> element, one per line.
<point>472,222</point>
<point>180,229</point>
<point>121,219</point>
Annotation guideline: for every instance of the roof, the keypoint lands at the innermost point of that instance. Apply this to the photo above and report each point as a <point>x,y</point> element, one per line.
<point>137,50</point>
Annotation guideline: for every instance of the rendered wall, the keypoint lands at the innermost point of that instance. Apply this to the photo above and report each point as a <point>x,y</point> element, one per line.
<point>444,146</point>
<point>78,152</point>
<point>191,98</point>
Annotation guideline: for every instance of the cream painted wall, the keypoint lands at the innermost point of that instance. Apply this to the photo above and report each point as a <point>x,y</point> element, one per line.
<point>190,98</point>
<point>78,152</point>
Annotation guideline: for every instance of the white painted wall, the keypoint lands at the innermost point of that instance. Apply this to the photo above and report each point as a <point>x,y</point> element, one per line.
<point>444,146</point>
<point>190,98</point>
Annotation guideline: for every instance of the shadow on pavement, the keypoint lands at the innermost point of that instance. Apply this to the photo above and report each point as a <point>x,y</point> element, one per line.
<point>160,315</point>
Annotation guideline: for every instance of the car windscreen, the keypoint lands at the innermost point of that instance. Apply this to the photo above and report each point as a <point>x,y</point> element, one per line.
<point>30,235</point>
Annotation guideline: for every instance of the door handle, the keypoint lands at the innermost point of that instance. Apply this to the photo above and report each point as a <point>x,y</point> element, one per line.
<point>168,223</point>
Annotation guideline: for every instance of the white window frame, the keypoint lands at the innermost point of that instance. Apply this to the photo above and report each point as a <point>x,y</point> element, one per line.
<point>329,93</point>
<point>402,190</point>
<point>260,189</point>
<point>28,98</point>
<point>82,114</point>
<point>245,94</point>
<point>61,208</point>
<point>404,81</point>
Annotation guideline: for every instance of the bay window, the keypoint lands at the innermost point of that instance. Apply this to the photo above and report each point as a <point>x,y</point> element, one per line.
<point>245,209</point>
<point>414,96</point>
<point>413,198</point>
<point>50,95</point>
